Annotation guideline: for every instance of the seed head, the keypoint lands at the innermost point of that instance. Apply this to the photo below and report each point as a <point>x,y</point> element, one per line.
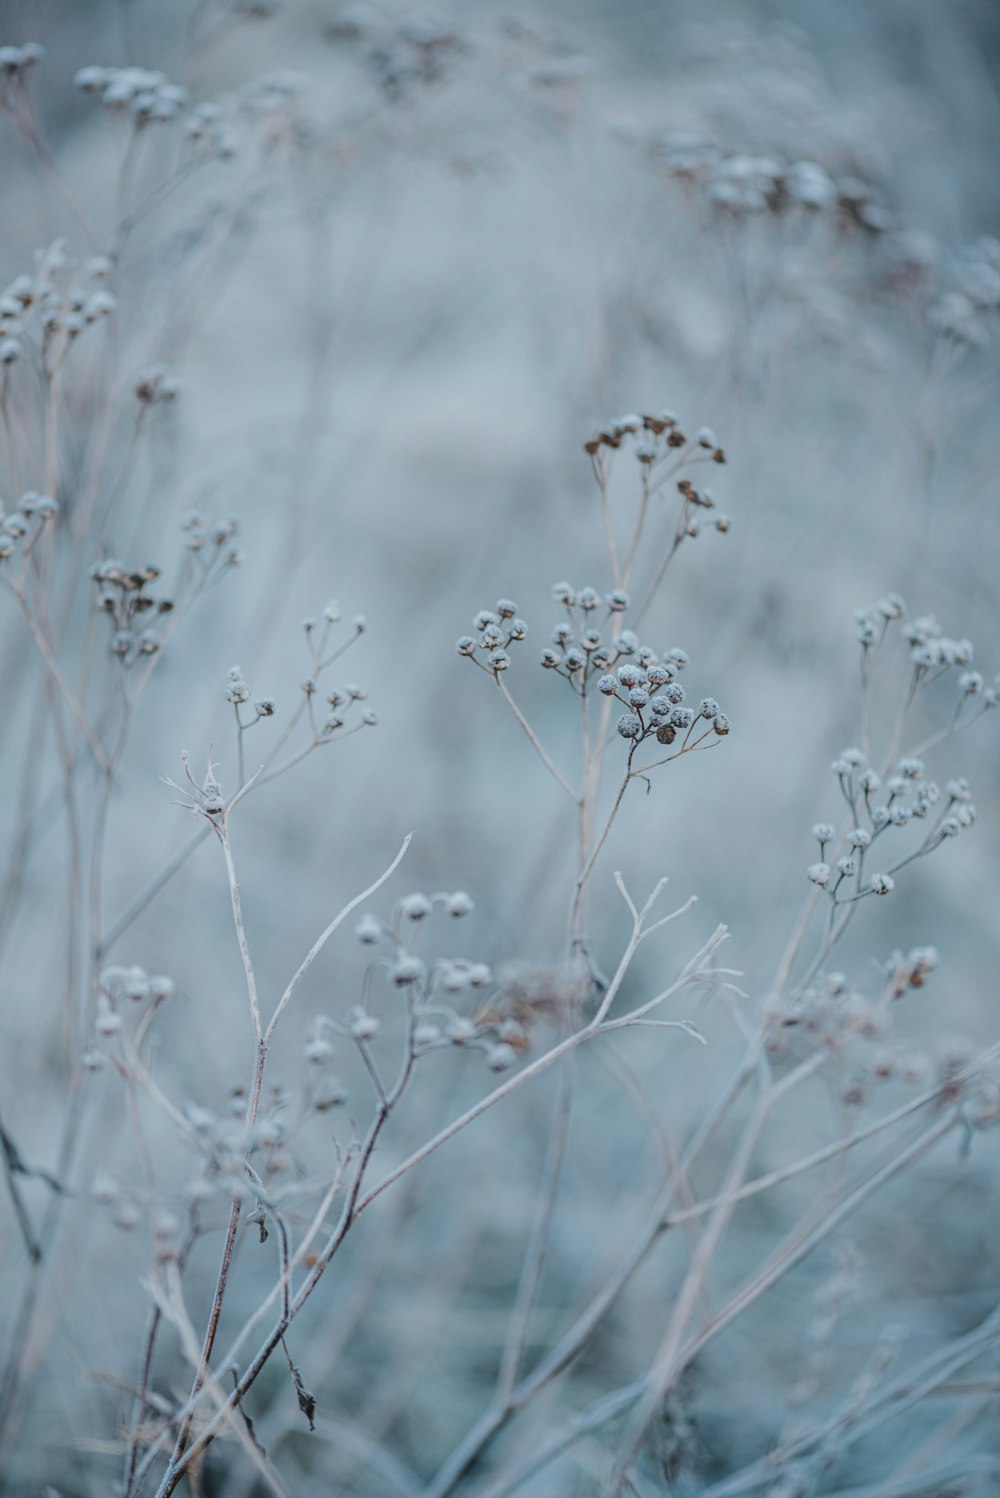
<point>368,930</point>
<point>415,907</point>
<point>501,1057</point>
<point>362,1025</point>
<point>407,969</point>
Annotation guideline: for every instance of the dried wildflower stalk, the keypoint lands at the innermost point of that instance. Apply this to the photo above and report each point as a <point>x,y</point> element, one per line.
<point>808,1021</point>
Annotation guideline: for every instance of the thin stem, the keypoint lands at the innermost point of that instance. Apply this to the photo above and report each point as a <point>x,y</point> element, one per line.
<point>529,731</point>
<point>222,828</point>
<point>328,931</point>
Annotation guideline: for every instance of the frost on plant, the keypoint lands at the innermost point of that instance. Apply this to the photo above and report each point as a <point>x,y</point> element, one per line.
<point>426,1069</point>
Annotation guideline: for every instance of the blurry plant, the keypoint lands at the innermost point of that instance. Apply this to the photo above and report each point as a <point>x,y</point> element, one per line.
<point>416,1000</point>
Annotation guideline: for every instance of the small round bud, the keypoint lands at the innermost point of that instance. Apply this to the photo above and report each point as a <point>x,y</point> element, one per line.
<point>368,930</point>
<point>126,1216</point>
<point>608,685</point>
<point>501,1057</point>
<point>318,1050</point>
<point>638,697</point>
<point>617,600</point>
<point>721,724</point>
<point>406,970</point>
<point>108,1022</point>
<point>136,985</point>
<point>104,1189</point>
<point>629,726</point>
<point>819,873</point>
<point>361,1025</point>
<point>506,609</point>
<point>881,884</point>
<point>458,904</point>
<point>415,907</point>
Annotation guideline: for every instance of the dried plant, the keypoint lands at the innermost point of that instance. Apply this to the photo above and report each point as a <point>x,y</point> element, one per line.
<point>274,1165</point>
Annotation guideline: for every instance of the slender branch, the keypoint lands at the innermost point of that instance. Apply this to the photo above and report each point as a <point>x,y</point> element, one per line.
<point>543,756</point>
<point>325,935</point>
